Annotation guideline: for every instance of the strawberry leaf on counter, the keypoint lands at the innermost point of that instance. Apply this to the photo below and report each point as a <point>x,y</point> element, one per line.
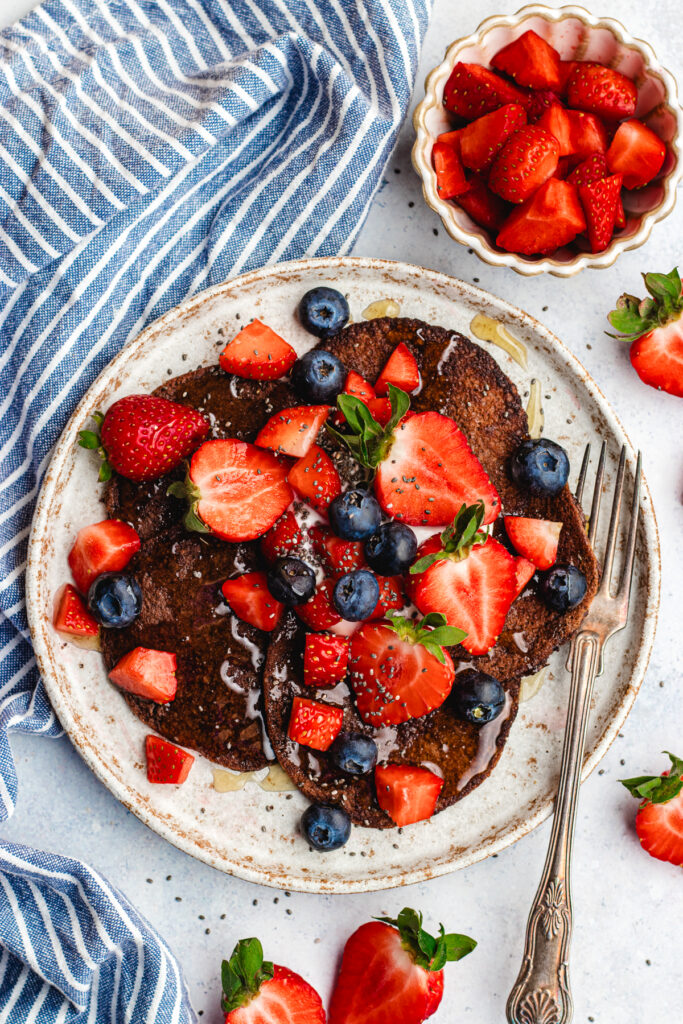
<point>428,952</point>
<point>634,317</point>
<point>658,789</point>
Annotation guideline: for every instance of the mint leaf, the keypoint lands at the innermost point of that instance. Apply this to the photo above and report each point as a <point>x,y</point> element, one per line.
<point>368,441</point>
<point>400,403</point>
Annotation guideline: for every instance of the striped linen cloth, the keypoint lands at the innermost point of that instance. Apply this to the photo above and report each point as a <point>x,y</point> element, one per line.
<point>149,149</point>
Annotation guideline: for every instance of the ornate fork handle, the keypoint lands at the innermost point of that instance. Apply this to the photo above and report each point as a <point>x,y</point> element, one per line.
<point>541,993</point>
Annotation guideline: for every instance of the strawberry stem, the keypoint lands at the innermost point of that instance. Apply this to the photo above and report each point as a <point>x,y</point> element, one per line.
<point>91,440</point>
<point>431,632</point>
<point>187,490</point>
<point>634,317</point>
<point>427,951</point>
<point>658,789</point>
<point>243,974</point>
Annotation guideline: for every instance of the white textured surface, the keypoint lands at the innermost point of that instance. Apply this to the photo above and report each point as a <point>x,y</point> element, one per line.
<point>628,908</point>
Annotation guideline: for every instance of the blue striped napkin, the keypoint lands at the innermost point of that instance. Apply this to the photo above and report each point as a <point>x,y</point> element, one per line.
<point>149,149</point>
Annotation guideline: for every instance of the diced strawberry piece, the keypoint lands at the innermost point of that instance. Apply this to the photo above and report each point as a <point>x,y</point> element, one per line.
<point>166,763</point>
<point>337,556</point>
<point>430,471</point>
<point>566,70</point>
<point>565,165</point>
<point>592,169</point>
<point>380,409</point>
<point>239,490</point>
<point>390,596</point>
<point>71,615</point>
<point>536,539</point>
<point>257,353</point>
<point>636,153</point>
<point>531,61</point>
<point>314,724</point>
<point>319,613</point>
<point>451,138</point>
<point>315,478</point>
<point>282,538</point>
<point>619,215</point>
<point>293,431</point>
<point>473,90</point>
<point>251,601</point>
<point>358,387</point>
<point>407,794</point>
<point>527,159</point>
<point>483,206</point>
<point>481,139</point>
<point>601,90</point>
<point>547,220</point>
<point>578,134</point>
<point>325,660</point>
<point>657,357</point>
<point>400,370</point>
<point>450,176</point>
<point>599,201</point>
<point>147,673</point>
<point>101,547</point>
<point>524,571</point>
<point>539,101</point>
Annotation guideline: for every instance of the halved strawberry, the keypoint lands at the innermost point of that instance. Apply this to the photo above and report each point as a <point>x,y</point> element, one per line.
<point>547,220</point>
<point>236,490</point>
<point>450,176</point>
<point>390,596</point>
<point>468,576</point>
<point>578,134</point>
<point>314,724</point>
<point>319,613</point>
<point>101,547</point>
<point>325,660</point>
<point>256,991</point>
<point>282,538</point>
<point>399,670</point>
<point>147,673</point>
<point>599,201</point>
<point>315,478</point>
<point>601,90</point>
<point>481,139</point>
<point>400,370</point>
<point>524,571</point>
<point>337,556</point>
<point>536,539</point>
<point>407,794</point>
<point>659,821</point>
<point>531,61</point>
<point>526,160</point>
<point>473,90</point>
<point>293,431</point>
<point>258,353</point>
<point>71,615</point>
<point>593,168</point>
<point>484,206</point>
<point>251,601</point>
<point>380,409</point>
<point>166,763</point>
<point>636,153</point>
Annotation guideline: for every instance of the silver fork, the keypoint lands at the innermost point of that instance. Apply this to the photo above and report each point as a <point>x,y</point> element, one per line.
<point>541,994</point>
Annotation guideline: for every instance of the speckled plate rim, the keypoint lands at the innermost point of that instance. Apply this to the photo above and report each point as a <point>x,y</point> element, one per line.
<point>42,633</point>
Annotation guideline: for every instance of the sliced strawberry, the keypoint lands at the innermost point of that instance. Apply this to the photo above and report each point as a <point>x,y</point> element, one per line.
<point>380,409</point>
<point>547,220</point>
<point>325,660</point>
<point>536,539</point>
<point>166,763</point>
<point>390,596</point>
<point>406,793</point>
<point>636,153</point>
<point>314,724</point>
<point>601,90</point>
<point>251,601</point>
<point>578,134</point>
<point>599,201</point>
<point>659,821</point>
<point>282,538</point>
<point>101,547</point>
<point>400,370</point>
<point>539,101</point>
<point>450,176</point>
<point>236,490</point>
<point>430,471</point>
<point>337,556</point>
<point>524,571</point>
<point>526,160</point>
<point>293,431</point>
<point>481,140</point>
<point>315,478</point>
<point>71,615</point>
<point>484,206</point>
<point>258,353</point>
<point>358,386</point>
<point>473,90</point>
<point>593,168</point>
<point>147,673</point>
<point>259,992</point>
<point>319,613</point>
<point>531,61</point>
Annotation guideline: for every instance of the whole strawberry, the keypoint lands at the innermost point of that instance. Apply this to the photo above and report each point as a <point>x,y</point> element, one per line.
<point>659,821</point>
<point>256,991</point>
<point>143,437</point>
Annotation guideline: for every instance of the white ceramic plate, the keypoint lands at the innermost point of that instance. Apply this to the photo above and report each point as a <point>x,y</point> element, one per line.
<point>252,833</point>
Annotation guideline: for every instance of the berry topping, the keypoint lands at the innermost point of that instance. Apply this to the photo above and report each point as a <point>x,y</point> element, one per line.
<point>636,153</point>
<point>659,821</point>
<point>325,828</point>
<point>407,794</point>
<point>390,596</point>
<point>291,581</point>
<point>70,614</point>
<point>563,588</point>
<point>527,159</point>
<point>255,991</point>
<point>315,478</point>
<point>258,353</point>
<point>481,140</point>
<point>392,549</point>
<point>355,595</point>
<point>147,673</point>
<point>536,539</point>
<point>250,599</point>
<point>282,538</point>
<point>293,431</point>
<point>473,90</point>
<point>318,376</point>
<point>115,599</point>
<point>101,547</point>
<point>355,515</point>
<point>531,61</point>
<point>477,697</point>
<point>540,467</point>
<point>314,724</point>
<point>166,763</point>
<point>601,90</point>
<point>323,312</point>
<point>354,753</point>
<point>325,660</point>
<point>337,556</point>
<point>400,370</point>
<point>319,613</point>
<point>524,571</point>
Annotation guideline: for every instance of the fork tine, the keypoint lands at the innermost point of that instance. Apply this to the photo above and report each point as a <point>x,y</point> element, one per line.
<point>613,524</point>
<point>597,497</point>
<point>629,558</point>
<point>582,473</point>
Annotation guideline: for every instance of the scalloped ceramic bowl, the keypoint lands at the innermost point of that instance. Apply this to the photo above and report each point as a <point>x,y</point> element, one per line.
<point>577,35</point>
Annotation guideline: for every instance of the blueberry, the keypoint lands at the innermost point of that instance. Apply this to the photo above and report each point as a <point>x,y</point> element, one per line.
<point>392,549</point>
<point>478,698</point>
<point>115,599</point>
<point>355,515</point>
<point>326,828</point>
<point>355,595</point>
<point>291,581</point>
<point>563,587</point>
<point>354,753</point>
<point>541,467</point>
<point>323,311</point>
<point>318,376</point>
